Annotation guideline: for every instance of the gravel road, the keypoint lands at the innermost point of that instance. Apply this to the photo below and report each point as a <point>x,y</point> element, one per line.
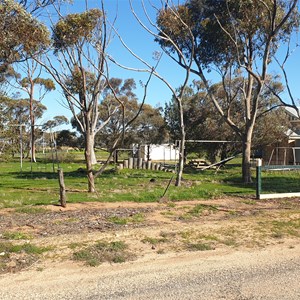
<point>270,273</point>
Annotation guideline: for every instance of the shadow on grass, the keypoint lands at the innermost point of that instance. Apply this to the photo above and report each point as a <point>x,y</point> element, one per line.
<point>47,175</point>
<point>284,183</point>
<point>281,184</point>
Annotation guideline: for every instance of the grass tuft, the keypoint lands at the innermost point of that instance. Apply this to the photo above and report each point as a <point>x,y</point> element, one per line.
<point>200,247</point>
<point>16,235</point>
<point>102,251</point>
<point>136,218</point>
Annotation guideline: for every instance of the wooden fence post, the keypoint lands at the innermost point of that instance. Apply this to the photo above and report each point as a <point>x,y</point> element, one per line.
<point>135,163</point>
<point>125,163</point>
<point>130,163</point>
<point>140,163</point>
<point>62,188</point>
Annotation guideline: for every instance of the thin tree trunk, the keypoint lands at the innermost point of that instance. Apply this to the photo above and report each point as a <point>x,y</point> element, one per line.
<point>62,188</point>
<point>88,160</point>
<point>32,123</point>
<point>246,162</point>
<point>32,142</point>
<point>181,146</point>
<point>181,161</point>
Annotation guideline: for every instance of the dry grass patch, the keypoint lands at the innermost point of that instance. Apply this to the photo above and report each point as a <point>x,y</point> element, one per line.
<point>103,251</point>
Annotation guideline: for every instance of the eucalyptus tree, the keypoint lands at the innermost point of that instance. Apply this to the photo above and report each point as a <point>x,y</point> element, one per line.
<point>12,114</point>
<point>187,60</point>
<point>55,122</point>
<point>36,88</point>
<point>79,43</point>
<point>131,122</point>
<point>37,6</point>
<point>21,35</point>
<point>201,123</point>
<point>148,126</point>
<point>234,38</point>
<point>14,121</point>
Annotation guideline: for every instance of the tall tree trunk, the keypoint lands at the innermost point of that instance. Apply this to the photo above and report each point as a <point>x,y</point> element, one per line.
<point>92,149</point>
<point>181,146</point>
<point>181,161</point>
<point>89,149</point>
<point>32,123</point>
<point>32,142</point>
<point>246,162</point>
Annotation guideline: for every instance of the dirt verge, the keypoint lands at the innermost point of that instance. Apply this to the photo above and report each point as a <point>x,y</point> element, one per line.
<point>36,236</point>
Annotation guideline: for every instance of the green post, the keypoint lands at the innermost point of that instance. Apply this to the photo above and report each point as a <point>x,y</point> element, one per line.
<point>258,178</point>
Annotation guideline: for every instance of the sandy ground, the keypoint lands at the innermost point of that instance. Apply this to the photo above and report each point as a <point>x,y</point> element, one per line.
<point>270,273</point>
<point>232,248</point>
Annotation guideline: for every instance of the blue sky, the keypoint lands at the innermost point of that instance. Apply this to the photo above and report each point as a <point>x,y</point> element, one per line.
<point>143,45</point>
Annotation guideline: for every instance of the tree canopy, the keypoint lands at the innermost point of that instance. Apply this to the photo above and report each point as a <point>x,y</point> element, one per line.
<point>75,28</point>
<point>236,39</point>
<point>21,35</point>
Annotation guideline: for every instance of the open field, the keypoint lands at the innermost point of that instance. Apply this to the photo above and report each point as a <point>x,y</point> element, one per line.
<point>37,184</point>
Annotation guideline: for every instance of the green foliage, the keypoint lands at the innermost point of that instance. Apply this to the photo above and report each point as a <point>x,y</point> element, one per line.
<point>207,21</point>
<point>48,84</point>
<point>56,121</point>
<point>20,33</point>
<point>27,248</point>
<point>74,28</point>
<point>239,39</point>
<point>80,81</point>
<point>67,138</point>
<point>140,123</point>
<point>201,123</point>
<point>12,113</point>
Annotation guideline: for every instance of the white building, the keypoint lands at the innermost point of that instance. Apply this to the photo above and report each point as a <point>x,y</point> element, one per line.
<point>164,152</point>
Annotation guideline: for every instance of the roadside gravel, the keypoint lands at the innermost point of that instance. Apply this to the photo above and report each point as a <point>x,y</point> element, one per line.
<point>272,273</point>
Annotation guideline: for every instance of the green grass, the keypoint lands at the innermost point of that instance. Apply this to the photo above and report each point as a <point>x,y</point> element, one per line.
<point>154,241</point>
<point>291,227</point>
<point>37,184</point>
<point>200,208</point>
<point>280,181</point>
<point>103,251</point>
<point>7,248</point>
<point>136,218</point>
<point>16,235</point>
<point>199,247</point>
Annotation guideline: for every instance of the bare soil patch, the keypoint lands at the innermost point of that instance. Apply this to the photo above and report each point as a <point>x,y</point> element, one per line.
<point>148,229</point>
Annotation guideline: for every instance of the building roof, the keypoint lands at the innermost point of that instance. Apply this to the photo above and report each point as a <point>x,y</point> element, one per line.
<point>293,112</point>
<point>292,135</point>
